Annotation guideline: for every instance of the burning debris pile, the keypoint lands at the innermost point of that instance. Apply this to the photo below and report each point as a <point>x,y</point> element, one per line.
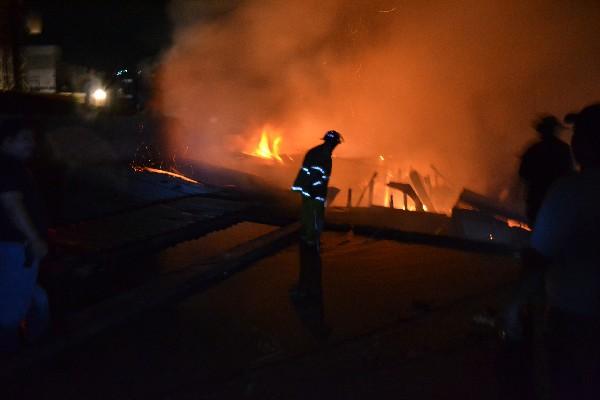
<point>378,181</point>
<point>381,185</point>
<point>418,83</point>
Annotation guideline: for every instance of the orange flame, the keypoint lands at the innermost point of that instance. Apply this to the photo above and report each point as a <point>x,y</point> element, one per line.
<point>269,151</point>
<point>518,224</point>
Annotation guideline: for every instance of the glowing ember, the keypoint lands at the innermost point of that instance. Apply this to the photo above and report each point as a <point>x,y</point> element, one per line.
<point>266,150</point>
<point>161,171</point>
<point>518,224</point>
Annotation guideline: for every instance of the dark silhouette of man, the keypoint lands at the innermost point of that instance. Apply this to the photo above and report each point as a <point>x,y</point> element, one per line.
<point>566,238</point>
<point>312,182</point>
<point>543,163</point>
<point>565,249</point>
<point>22,240</point>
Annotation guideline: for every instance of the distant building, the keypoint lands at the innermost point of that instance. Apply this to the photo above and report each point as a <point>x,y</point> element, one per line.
<point>9,73</point>
<point>27,62</point>
<point>40,64</point>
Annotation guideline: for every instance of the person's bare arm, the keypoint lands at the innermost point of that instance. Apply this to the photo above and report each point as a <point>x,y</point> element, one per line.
<point>15,209</point>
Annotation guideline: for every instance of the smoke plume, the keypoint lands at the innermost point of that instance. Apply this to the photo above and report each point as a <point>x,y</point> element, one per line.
<point>455,84</point>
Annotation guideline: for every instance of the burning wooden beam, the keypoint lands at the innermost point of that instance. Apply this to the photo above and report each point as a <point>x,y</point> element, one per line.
<point>408,190</point>
<point>419,187</point>
<point>489,206</point>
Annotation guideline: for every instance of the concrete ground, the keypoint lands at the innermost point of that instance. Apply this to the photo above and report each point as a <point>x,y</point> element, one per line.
<point>395,321</point>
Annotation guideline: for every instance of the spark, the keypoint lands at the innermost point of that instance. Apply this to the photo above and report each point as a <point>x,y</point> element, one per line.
<point>387,11</point>
<point>162,171</point>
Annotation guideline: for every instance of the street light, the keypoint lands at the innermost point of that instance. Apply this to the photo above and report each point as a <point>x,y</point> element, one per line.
<point>99,95</point>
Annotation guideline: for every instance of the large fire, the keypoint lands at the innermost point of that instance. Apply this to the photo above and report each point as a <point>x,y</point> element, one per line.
<point>268,149</point>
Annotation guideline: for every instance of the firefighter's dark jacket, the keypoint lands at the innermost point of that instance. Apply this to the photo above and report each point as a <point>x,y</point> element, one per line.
<point>314,174</point>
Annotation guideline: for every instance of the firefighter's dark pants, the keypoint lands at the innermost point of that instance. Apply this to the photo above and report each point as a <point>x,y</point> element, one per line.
<point>312,218</point>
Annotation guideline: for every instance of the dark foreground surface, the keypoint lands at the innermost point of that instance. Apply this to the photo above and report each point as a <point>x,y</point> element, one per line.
<point>395,321</point>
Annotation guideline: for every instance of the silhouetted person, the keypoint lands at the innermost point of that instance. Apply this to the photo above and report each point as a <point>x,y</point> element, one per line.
<point>312,182</point>
<point>565,242</point>
<point>22,240</point>
<point>543,163</point>
<point>566,238</point>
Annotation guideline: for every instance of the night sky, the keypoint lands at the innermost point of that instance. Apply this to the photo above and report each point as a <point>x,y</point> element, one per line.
<point>105,34</point>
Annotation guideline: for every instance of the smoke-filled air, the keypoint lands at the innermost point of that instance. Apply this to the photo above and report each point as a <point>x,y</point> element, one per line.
<point>451,84</point>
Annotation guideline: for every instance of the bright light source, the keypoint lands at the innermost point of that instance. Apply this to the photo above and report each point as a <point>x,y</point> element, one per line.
<point>99,95</point>
<point>34,24</point>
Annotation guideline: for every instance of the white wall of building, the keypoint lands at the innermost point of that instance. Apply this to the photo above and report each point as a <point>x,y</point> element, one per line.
<point>40,65</point>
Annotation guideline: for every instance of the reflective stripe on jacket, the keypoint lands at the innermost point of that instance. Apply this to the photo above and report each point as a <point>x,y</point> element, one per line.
<point>313,177</point>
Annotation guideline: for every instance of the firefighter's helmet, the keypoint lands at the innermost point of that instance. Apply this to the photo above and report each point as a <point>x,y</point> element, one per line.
<point>333,137</point>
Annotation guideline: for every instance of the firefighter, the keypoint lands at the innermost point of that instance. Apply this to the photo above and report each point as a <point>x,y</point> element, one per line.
<point>311,183</point>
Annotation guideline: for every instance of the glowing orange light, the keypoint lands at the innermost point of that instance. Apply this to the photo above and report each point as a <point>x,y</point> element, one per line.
<point>517,224</point>
<point>386,196</point>
<point>161,171</point>
<point>266,150</point>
